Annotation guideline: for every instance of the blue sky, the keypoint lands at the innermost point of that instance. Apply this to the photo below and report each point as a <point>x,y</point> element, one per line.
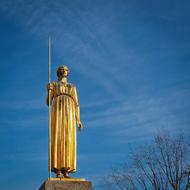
<point>130,61</point>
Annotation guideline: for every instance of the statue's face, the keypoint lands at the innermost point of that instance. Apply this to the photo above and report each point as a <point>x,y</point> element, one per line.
<point>63,72</point>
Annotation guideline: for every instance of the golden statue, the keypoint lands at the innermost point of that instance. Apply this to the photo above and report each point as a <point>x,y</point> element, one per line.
<point>65,114</point>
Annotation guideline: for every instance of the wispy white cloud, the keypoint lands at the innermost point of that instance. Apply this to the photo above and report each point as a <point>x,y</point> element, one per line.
<point>147,113</point>
<point>24,157</point>
<point>32,104</point>
<point>25,122</point>
<point>63,20</point>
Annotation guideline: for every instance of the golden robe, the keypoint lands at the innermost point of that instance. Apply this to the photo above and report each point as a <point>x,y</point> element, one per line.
<point>64,115</point>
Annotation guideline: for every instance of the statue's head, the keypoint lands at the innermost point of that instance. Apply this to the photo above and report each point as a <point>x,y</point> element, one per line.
<point>63,71</point>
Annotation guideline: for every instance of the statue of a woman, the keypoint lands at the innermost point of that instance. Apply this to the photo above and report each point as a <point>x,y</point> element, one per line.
<point>65,114</point>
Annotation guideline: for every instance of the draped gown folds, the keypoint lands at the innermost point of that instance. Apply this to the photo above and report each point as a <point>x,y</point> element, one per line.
<point>64,115</point>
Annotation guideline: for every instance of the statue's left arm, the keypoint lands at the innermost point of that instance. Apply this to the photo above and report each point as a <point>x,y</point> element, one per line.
<point>77,108</point>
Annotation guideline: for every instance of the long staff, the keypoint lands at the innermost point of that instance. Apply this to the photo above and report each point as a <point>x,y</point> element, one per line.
<point>49,107</point>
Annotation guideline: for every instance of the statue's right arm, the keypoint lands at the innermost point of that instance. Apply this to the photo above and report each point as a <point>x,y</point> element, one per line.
<point>50,89</point>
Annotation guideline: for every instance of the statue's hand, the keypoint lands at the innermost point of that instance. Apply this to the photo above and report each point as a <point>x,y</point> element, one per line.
<point>80,126</point>
<point>50,86</point>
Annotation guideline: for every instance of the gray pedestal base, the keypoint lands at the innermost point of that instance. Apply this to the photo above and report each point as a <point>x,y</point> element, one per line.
<point>66,185</point>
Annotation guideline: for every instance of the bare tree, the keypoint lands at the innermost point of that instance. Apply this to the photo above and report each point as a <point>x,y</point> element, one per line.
<point>160,166</point>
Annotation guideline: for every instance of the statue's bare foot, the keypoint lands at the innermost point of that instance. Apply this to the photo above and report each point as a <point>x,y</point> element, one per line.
<point>59,175</point>
<point>66,175</point>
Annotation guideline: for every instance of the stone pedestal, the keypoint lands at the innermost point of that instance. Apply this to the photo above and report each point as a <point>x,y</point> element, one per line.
<point>66,185</point>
